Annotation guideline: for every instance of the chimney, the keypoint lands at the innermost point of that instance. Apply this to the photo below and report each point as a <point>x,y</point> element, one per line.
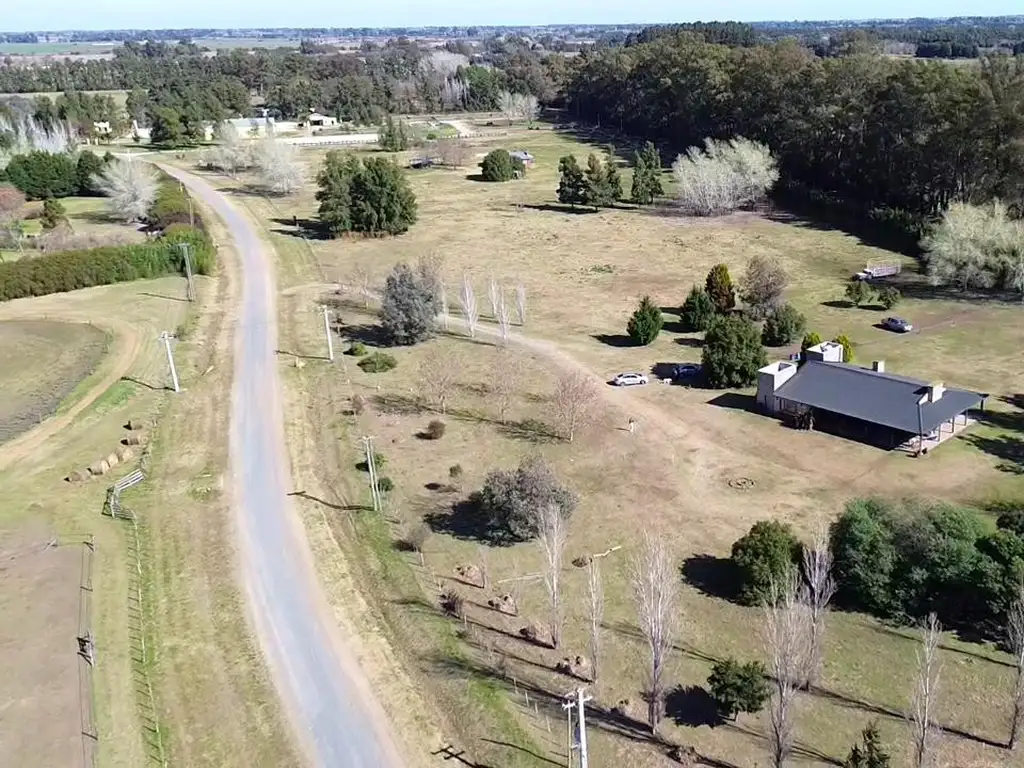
<point>878,366</point>
<point>935,390</point>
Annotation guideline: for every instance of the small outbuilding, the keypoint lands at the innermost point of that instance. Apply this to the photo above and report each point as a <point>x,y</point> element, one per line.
<point>522,156</point>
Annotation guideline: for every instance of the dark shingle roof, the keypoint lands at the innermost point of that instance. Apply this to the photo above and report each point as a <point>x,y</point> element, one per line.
<point>879,398</point>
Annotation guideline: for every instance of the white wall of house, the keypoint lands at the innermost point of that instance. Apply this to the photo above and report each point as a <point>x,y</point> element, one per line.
<point>769,379</point>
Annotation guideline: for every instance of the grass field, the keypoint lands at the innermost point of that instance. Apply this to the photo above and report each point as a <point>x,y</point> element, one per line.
<point>88,217</point>
<point>584,273</point>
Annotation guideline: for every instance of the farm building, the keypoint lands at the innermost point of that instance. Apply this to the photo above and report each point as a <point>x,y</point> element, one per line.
<point>316,120</point>
<point>522,155</point>
<point>866,404</point>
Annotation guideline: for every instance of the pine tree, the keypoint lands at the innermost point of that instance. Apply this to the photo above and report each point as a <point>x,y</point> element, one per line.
<point>719,288</point>
<point>409,309</point>
<point>646,176</point>
<point>572,184</point>
<point>597,182</point>
<point>613,179</point>
<point>646,322</point>
<point>869,753</point>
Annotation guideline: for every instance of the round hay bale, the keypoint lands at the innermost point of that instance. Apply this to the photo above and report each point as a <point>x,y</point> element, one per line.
<point>536,634</point>
<point>124,453</point>
<point>470,574</point>
<point>503,604</point>
<point>136,438</point>
<point>134,425</point>
<point>99,468</point>
<point>113,460</point>
<point>78,476</point>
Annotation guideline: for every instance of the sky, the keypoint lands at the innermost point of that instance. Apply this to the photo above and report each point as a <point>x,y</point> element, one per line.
<point>21,15</point>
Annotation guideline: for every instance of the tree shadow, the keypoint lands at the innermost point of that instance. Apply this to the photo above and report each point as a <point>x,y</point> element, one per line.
<point>372,335</point>
<point>141,383</point>
<point>464,520</point>
<point>288,353</point>
<point>309,229</point>
<point>329,505</point>
<point>690,341</point>
<point>711,576</point>
<point>1007,448</point>
<point>664,370</point>
<point>529,430</point>
<point>559,208</point>
<point>164,296</point>
<point>615,339</point>
<point>692,706</point>
<point>838,304</point>
<point>735,401</point>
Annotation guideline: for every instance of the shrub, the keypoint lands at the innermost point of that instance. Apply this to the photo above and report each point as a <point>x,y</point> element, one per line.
<point>170,206</point>
<point>509,500</point>
<point>766,555</point>
<point>1011,518</point>
<point>455,473</point>
<point>698,311</point>
<point>410,306</point>
<point>869,753</point>
<point>719,288</point>
<point>201,250</point>
<point>53,213</point>
<point>453,604</point>
<point>358,404</point>
<point>847,345</point>
<point>782,326</point>
<point>732,353</point>
<point>738,687</point>
<point>41,175</point>
<point>378,362</point>
<point>811,339</point>
<point>356,349</point>
<point>889,296</point>
<point>646,322</point>
<point>859,292</point>
<point>864,555</point>
<point>499,165</point>
<point>435,430</point>
<point>385,484</point>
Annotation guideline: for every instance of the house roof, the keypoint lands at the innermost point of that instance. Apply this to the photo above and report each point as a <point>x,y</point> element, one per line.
<point>878,398</point>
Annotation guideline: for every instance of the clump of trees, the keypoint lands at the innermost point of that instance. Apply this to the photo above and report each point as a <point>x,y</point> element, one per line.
<point>600,185</point>
<point>509,499</point>
<point>41,175</point>
<point>369,196</point>
<point>646,187</point>
<point>646,322</point>
<point>976,246</point>
<point>724,177</point>
<point>782,326</point>
<point>698,311</point>
<point>499,165</point>
<point>393,136</point>
<point>410,305</point>
<point>732,352</point>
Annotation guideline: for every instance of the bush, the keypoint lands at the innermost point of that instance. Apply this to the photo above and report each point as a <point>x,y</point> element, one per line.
<point>435,430</point>
<point>1011,518</point>
<point>720,289</point>
<point>767,555</point>
<point>410,306</point>
<point>811,339</point>
<point>71,270</point>
<point>378,362</point>
<point>41,175</point>
<point>356,349</point>
<point>170,206</point>
<point>452,603</point>
<point>782,326</point>
<point>864,555</point>
<point>646,322</point>
<point>847,345</point>
<point>859,292</point>
<point>509,500</point>
<point>455,473</point>
<point>53,214</point>
<point>889,297</point>
<point>738,687</point>
<point>499,165</point>
<point>385,484</point>
<point>732,353</point>
<point>698,311</point>
<point>201,250</point>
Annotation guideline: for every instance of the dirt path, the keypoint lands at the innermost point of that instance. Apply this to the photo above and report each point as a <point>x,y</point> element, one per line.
<point>333,709</point>
<point>127,344</point>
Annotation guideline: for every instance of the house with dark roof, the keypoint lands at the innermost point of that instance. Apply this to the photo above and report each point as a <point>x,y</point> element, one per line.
<point>867,404</point>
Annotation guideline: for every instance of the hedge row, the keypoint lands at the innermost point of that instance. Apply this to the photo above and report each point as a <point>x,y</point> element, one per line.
<point>71,270</point>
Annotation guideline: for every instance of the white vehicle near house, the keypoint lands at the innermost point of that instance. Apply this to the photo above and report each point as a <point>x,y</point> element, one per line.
<point>629,379</point>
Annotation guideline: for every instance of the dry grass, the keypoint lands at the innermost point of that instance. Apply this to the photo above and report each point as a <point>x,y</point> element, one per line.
<point>584,274</point>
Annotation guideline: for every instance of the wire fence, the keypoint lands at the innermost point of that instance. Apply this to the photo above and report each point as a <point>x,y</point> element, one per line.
<point>86,648</point>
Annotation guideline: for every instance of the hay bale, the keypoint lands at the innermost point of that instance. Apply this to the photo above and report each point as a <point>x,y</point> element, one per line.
<point>113,460</point>
<point>99,468</point>
<point>536,634</point>
<point>125,453</point>
<point>134,425</point>
<point>136,438</point>
<point>503,604</point>
<point>470,574</point>
<point>685,755</point>
<point>78,476</point>
<point>575,666</point>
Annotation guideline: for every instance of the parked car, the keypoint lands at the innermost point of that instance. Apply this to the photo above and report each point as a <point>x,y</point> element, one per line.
<point>897,324</point>
<point>685,371</point>
<point>629,379</point>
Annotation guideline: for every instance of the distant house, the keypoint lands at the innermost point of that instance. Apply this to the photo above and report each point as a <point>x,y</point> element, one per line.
<point>866,404</point>
<point>256,127</point>
<point>316,120</point>
<point>523,156</point>
<point>102,128</point>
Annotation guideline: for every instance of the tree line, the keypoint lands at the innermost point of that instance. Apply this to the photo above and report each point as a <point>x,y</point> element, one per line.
<point>885,140</point>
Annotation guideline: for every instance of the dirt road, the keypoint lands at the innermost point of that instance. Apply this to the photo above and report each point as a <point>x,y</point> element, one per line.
<point>331,707</point>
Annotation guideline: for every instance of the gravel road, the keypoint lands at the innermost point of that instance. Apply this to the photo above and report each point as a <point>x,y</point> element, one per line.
<point>328,698</point>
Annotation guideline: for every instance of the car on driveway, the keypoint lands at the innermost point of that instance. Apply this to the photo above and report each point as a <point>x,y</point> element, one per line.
<point>685,371</point>
<point>629,379</point>
<point>897,324</point>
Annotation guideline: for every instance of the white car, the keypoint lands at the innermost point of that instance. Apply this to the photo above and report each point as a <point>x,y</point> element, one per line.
<point>629,379</point>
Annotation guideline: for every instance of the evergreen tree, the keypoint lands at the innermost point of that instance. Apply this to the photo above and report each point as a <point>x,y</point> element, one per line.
<point>646,176</point>
<point>334,194</point>
<point>89,166</point>
<point>847,345</point>
<point>811,339</point>
<point>499,165</point>
<point>572,183</point>
<point>719,288</point>
<point>869,753</point>
<point>392,136</point>
<point>613,179</point>
<point>738,687</point>
<point>409,307</point>
<point>382,200</point>
<point>646,322</point>
<point>597,182</point>
<point>53,213</point>
<point>698,311</point>
<point>732,353</point>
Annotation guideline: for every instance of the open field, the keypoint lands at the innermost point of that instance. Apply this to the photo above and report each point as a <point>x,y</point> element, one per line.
<point>43,363</point>
<point>39,682</point>
<point>700,470</point>
<point>88,218</point>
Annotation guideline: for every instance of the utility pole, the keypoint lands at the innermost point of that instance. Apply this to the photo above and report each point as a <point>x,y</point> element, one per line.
<point>186,254</point>
<point>371,468</point>
<point>581,699</point>
<point>567,705</point>
<point>327,330</point>
<point>165,337</point>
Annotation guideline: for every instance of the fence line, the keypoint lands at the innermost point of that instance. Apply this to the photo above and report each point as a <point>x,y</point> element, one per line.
<point>86,655</point>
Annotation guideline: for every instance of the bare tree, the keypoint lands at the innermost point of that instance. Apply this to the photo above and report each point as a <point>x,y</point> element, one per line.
<point>444,307</point>
<point>820,589</point>
<point>506,380</point>
<point>975,246</point>
<point>483,562</point>
<point>552,533</point>
<point>786,635</point>
<point>724,176</point>
<point>278,166</point>
<point>453,93</point>
<point>439,376</point>
<point>762,285</point>
<point>131,187</point>
<point>1015,640</point>
<point>924,699</point>
<point>521,303</point>
<point>655,592</point>
<point>453,152</point>
<point>509,104</point>
<point>575,394</point>
<point>529,108</point>
<point>494,294</point>
<point>362,279</point>
<point>467,300</point>
<point>12,200</point>
<point>504,318</point>
<point>595,613</point>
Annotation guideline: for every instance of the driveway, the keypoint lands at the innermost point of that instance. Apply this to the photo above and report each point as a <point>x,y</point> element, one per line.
<point>329,701</point>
